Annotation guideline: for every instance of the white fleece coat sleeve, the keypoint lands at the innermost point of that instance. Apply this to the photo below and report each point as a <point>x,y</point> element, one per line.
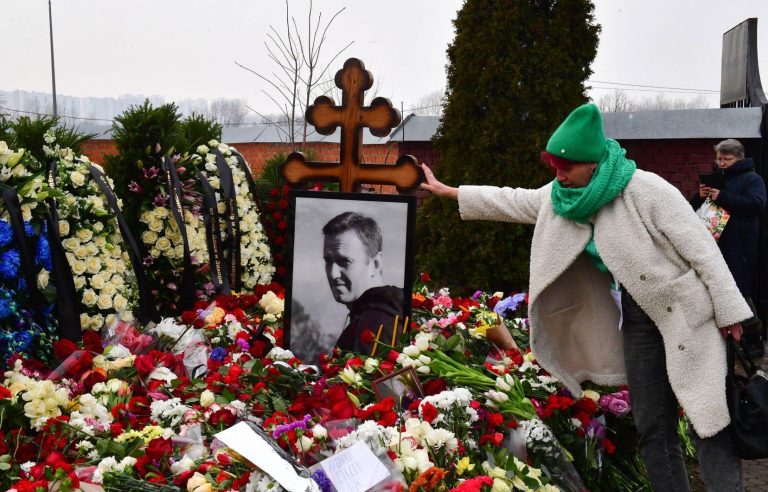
<point>674,217</point>
<point>519,205</point>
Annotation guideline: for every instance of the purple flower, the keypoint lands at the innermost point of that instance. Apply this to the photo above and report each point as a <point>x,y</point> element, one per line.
<point>135,187</point>
<point>477,294</point>
<point>160,201</point>
<point>151,172</point>
<point>242,343</point>
<point>595,429</point>
<point>509,304</point>
<point>322,480</point>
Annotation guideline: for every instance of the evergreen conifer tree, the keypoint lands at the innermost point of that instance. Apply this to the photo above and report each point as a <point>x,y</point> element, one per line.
<point>516,69</point>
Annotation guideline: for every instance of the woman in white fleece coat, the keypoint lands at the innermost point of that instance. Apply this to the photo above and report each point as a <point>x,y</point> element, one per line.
<point>610,240</point>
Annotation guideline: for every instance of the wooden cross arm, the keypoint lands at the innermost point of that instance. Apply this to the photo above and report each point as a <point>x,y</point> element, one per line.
<point>296,169</point>
<point>380,117</point>
<point>406,174</point>
<point>324,115</point>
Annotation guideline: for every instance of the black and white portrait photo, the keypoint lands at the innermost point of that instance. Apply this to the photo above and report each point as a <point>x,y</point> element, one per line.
<point>351,265</point>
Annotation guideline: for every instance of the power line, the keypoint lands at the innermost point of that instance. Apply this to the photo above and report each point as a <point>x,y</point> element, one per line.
<point>652,86</point>
<point>650,90</point>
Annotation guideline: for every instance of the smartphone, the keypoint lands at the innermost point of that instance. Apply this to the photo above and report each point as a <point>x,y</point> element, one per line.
<point>713,180</point>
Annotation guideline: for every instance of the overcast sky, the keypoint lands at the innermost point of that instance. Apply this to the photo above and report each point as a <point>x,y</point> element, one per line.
<point>188,48</point>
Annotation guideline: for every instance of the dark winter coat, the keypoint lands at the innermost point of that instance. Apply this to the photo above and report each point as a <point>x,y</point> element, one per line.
<point>377,306</point>
<point>744,198</point>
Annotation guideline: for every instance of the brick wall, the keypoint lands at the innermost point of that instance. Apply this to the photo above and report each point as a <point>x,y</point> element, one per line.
<point>96,149</point>
<point>677,161</point>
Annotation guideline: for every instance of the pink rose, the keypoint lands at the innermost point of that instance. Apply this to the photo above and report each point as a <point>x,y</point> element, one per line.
<point>618,407</point>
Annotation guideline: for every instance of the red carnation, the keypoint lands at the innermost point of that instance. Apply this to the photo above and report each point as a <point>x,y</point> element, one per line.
<point>425,277</point>
<point>494,438</point>
<point>428,411</point>
<point>609,447</point>
<point>4,392</point>
<point>187,317</point>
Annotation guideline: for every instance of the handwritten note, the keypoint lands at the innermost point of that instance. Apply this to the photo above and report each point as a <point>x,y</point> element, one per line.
<point>355,469</point>
<point>251,446</point>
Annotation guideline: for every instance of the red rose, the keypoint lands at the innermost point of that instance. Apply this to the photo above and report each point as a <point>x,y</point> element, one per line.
<point>434,386</point>
<point>609,447</point>
<point>495,419</point>
<point>187,317</point>
<point>282,225</point>
<point>4,392</point>
<point>144,365</point>
<point>159,448</point>
<point>93,378</point>
<point>493,438</point>
<point>92,341</point>
<point>180,480</point>
<point>428,411</point>
<point>425,277</point>
<point>63,348</point>
<point>222,417</point>
<point>367,337</point>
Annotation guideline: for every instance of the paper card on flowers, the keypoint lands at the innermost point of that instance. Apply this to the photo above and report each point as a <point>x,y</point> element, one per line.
<point>242,439</point>
<point>355,469</point>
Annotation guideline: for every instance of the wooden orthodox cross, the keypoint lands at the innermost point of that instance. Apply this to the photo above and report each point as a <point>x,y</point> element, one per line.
<point>380,117</point>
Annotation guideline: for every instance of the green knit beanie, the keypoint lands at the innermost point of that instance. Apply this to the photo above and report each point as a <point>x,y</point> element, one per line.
<point>580,137</point>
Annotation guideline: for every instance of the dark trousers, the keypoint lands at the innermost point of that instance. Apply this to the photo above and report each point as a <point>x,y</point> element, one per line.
<point>655,410</point>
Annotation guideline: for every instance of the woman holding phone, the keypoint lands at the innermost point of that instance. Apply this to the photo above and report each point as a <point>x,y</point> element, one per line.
<point>743,196</point>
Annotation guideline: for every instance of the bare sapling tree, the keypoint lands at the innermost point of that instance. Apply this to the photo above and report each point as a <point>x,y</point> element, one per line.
<point>299,70</point>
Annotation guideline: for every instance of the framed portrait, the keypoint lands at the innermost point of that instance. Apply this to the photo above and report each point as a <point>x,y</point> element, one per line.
<point>350,272</point>
<point>403,385</point>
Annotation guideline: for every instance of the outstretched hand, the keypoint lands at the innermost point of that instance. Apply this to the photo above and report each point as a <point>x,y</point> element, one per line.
<point>435,187</point>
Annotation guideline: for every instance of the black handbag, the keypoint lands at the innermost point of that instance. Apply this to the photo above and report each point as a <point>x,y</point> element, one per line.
<point>747,405</point>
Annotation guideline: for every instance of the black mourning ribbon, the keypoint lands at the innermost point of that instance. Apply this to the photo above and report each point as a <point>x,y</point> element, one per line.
<point>187,287</point>
<point>213,237</point>
<point>229,196</point>
<point>147,311</point>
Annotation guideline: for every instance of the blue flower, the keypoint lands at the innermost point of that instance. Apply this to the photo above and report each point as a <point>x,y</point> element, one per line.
<point>6,233</point>
<point>23,339</point>
<point>5,308</point>
<point>509,304</point>
<point>43,256</point>
<point>218,354</point>
<point>9,268</point>
<point>29,229</point>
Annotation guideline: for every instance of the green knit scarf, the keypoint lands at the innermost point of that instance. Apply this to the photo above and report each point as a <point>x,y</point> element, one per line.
<point>611,176</point>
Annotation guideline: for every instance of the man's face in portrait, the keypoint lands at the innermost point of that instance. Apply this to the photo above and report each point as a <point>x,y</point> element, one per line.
<point>348,267</point>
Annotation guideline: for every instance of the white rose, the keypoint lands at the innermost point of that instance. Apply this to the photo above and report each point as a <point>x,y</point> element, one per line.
<point>77,178</point>
<point>98,227</point>
<point>105,301</point>
<point>89,297</point>
<point>78,267</point>
<point>120,303</point>
<point>93,265</point>
<point>319,432</point>
<point>100,241</point>
<point>84,235</point>
<point>149,237</point>
<point>156,225</point>
<point>163,244</point>
<point>206,398</point>
<point>81,252</point>
<point>97,322</point>
<point>42,279</point>
<point>63,228</point>
<point>79,282</point>
<point>202,149</point>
